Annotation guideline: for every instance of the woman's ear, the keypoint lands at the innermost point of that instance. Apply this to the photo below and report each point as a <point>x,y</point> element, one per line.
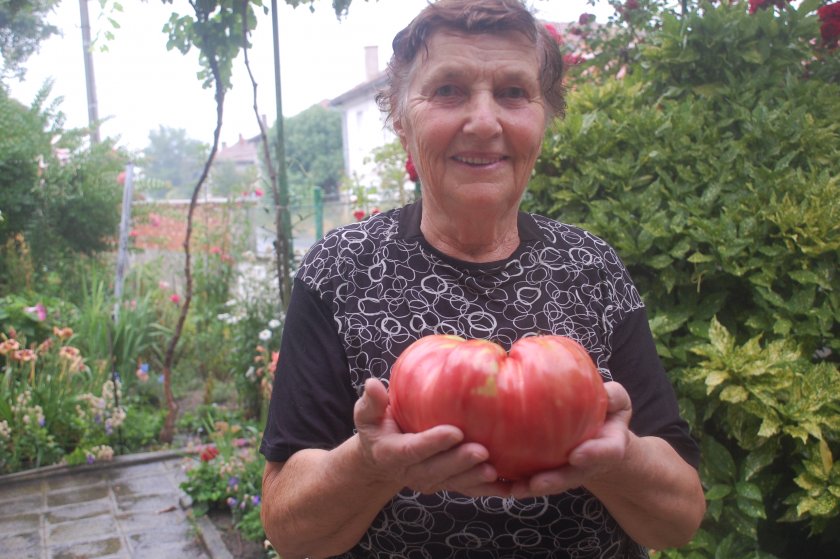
<point>400,131</point>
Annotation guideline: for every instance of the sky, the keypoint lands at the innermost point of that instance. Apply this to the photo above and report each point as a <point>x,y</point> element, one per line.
<point>140,85</point>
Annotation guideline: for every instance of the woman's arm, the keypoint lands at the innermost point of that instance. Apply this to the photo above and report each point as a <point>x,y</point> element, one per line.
<point>653,493</point>
<point>320,503</point>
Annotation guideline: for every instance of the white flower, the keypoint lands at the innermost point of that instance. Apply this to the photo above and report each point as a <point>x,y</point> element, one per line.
<point>265,335</point>
<point>231,303</point>
<point>273,323</point>
<point>224,316</point>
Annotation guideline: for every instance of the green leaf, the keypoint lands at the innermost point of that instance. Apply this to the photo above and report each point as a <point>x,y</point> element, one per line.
<point>718,492</point>
<point>759,459</point>
<point>826,457</point>
<point>734,394</point>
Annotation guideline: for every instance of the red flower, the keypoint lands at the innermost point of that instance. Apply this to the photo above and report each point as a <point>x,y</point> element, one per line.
<point>411,169</point>
<point>555,34</point>
<point>572,59</point>
<point>208,452</point>
<point>359,215</point>
<point>374,211</point>
<point>830,28</point>
<point>586,19</point>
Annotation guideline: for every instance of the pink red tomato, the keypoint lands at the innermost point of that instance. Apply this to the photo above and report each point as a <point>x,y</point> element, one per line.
<point>529,408</point>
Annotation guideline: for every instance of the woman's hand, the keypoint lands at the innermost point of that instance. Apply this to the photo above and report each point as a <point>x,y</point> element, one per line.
<point>431,461</point>
<point>593,458</point>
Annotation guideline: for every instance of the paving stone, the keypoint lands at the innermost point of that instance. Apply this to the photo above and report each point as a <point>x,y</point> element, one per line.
<point>16,524</point>
<point>126,511</point>
<point>76,480</point>
<point>86,529</point>
<point>150,522</point>
<point>109,548</point>
<point>151,485</point>
<point>24,505</point>
<point>146,503</point>
<point>77,496</point>
<point>27,544</point>
<point>135,471</point>
<point>171,545</point>
<point>16,491</point>
<point>78,511</point>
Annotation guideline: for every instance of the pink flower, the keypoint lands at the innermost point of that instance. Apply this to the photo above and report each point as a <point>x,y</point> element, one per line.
<point>38,310</point>
<point>154,220</point>
<point>572,59</point>
<point>25,355</point>
<point>175,298</point>
<point>555,34</point>
<point>258,192</point>
<point>134,233</point>
<point>215,250</point>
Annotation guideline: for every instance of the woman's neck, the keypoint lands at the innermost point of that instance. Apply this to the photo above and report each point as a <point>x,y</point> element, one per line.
<point>472,238</point>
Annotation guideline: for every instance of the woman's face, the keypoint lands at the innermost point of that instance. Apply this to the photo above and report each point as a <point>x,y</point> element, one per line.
<point>474,119</point>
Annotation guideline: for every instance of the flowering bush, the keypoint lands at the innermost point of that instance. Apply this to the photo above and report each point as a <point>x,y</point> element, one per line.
<point>49,405</point>
<point>227,475</point>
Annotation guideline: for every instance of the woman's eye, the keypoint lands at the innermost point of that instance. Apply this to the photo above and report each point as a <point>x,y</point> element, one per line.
<point>446,91</point>
<point>514,93</point>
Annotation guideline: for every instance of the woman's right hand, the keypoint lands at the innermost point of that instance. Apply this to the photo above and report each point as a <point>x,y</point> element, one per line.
<point>431,461</point>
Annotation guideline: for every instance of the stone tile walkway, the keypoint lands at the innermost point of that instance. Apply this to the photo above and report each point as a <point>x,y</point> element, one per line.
<point>131,508</point>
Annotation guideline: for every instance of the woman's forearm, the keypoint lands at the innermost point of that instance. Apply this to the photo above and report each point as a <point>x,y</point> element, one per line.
<point>320,503</point>
<point>657,498</point>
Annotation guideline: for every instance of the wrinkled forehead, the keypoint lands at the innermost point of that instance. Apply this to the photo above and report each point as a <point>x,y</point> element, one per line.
<point>484,41</point>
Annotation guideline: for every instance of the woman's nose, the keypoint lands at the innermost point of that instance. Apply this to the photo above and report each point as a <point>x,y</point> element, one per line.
<point>482,116</point>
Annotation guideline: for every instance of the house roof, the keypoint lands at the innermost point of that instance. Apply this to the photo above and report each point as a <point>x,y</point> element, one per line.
<point>362,91</point>
<point>243,151</point>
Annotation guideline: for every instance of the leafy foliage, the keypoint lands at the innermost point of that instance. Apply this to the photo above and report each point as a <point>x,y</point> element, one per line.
<point>23,26</point>
<point>313,152</point>
<point>58,198</point>
<point>712,168</point>
<point>173,158</point>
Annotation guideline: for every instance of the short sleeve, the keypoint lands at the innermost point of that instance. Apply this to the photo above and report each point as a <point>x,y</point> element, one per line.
<point>635,364</point>
<point>312,400</point>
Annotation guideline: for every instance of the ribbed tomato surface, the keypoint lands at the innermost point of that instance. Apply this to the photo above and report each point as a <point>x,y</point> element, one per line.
<point>529,408</point>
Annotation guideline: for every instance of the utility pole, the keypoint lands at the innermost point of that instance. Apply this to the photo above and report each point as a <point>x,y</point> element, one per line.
<point>90,82</point>
<point>282,217</point>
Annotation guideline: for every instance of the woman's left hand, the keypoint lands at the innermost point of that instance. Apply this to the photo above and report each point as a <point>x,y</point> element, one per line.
<point>592,458</point>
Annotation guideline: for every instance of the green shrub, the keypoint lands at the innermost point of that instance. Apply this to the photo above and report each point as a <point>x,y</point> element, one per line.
<point>713,170</point>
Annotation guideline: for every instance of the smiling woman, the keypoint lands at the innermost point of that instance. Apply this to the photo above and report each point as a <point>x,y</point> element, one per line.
<point>472,85</point>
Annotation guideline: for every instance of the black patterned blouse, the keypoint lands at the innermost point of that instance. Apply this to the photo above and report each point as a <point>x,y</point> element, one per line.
<point>368,290</point>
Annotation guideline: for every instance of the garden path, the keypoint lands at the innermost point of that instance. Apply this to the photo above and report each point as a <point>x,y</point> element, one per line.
<point>130,508</point>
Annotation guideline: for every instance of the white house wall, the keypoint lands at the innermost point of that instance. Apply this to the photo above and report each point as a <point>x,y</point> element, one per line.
<point>363,128</point>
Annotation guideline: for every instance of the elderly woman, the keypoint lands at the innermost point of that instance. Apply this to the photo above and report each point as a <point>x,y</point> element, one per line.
<point>473,85</point>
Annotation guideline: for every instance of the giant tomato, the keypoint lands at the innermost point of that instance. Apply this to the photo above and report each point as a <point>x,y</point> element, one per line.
<point>529,408</point>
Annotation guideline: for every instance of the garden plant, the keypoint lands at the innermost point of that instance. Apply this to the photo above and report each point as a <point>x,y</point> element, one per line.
<point>705,149</point>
